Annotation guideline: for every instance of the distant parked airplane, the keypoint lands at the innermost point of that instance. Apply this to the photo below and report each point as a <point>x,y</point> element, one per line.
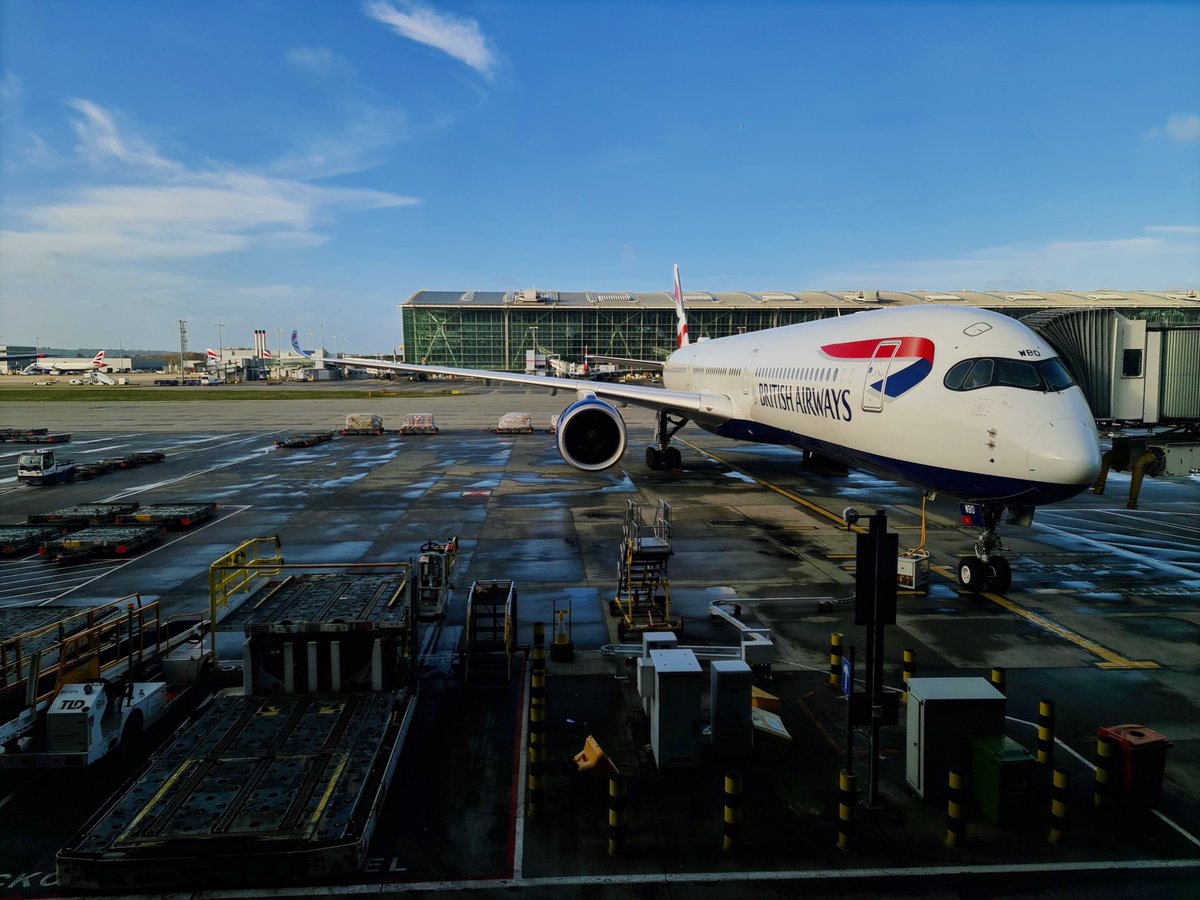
<point>64,369</point>
<point>956,400</point>
<point>13,357</point>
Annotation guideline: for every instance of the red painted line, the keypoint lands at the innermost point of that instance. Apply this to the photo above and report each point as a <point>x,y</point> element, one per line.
<point>821,728</point>
<point>511,850</point>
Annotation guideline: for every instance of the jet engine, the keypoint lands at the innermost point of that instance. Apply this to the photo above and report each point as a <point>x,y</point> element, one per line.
<point>591,434</point>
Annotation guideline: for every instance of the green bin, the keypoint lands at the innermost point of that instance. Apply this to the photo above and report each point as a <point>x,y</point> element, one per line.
<point>1001,779</point>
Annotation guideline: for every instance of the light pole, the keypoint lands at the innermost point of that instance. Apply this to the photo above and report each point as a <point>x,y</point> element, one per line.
<point>182,349</point>
<point>221,346</point>
<point>278,351</point>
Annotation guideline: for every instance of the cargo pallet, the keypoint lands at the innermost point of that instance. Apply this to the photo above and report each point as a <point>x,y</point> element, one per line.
<point>286,781</point>
<point>17,538</point>
<point>168,515</point>
<point>362,424</point>
<point>82,515</point>
<point>101,540</point>
<point>32,436</point>
<point>419,423</point>
<point>133,460</point>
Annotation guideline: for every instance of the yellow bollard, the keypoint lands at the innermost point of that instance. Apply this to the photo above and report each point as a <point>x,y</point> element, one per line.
<point>835,659</point>
<point>1060,805</point>
<point>731,832</point>
<point>847,808</point>
<point>1000,680</point>
<point>1045,732</point>
<point>617,813</point>
<point>910,669</point>
<point>956,808</point>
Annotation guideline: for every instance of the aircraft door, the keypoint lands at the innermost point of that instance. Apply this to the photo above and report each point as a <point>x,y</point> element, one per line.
<point>748,377</point>
<point>875,385</point>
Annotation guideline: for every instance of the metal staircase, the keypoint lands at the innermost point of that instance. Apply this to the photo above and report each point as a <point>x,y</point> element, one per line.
<point>643,599</point>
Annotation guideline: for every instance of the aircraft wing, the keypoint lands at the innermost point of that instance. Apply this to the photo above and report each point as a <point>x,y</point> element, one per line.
<point>697,406</point>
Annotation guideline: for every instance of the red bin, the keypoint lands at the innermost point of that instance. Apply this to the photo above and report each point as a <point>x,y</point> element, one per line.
<point>1138,775</point>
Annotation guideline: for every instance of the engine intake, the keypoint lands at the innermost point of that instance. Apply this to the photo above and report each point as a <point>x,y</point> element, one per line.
<point>591,434</point>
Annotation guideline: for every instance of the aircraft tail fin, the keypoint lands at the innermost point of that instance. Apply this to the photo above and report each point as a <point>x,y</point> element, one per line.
<point>98,359</point>
<point>681,327</point>
<point>296,345</point>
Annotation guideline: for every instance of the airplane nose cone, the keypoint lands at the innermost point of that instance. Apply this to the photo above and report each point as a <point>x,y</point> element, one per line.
<point>1066,452</point>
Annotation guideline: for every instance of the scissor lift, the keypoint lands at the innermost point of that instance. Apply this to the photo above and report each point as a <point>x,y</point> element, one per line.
<point>643,598</point>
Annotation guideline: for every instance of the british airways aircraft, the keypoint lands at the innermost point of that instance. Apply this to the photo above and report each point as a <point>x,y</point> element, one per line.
<point>954,400</point>
<point>63,369</point>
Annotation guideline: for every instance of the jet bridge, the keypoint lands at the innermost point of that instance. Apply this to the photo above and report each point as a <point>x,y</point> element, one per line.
<point>1136,375</point>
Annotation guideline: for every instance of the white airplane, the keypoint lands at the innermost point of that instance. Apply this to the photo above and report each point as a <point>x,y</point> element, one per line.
<point>954,400</point>
<point>63,369</point>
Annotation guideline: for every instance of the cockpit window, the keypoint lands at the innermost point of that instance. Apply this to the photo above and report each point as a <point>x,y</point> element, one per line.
<point>1046,375</point>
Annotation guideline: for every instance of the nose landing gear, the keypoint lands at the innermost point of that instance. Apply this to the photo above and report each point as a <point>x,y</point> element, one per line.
<point>987,570</point>
<point>663,455</point>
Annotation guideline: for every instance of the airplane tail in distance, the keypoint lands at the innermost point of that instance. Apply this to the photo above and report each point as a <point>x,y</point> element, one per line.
<point>681,329</point>
<point>98,359</point>
<point>212,355</point>
<point>296,344</point>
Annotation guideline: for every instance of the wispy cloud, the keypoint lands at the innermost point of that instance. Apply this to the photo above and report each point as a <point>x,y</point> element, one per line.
<point>163,210</point>
<point>1175,229</point>
<point>1182,128</point>
<point>455,36</point>
<point>101,141</point>
<point>317,60</point>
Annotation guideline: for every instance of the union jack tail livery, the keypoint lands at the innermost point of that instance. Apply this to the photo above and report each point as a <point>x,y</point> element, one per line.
<point>98,359</point>
<point>212,355</point>
<point>267,354</point>
<point>681,330</point>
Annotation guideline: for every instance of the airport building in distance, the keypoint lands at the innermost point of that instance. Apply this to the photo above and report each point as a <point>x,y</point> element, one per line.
<point>508,330</point>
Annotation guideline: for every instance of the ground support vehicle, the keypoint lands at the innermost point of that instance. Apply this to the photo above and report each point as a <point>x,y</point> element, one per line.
<point>82,515</point>
<point>284,779</point>
<point>77,682</point>
<point>44,467</point>
<point>434,566</point>
<point>168,515</point>
<point>643,599</point>
<point>101,540</point>
<point>18,538</point>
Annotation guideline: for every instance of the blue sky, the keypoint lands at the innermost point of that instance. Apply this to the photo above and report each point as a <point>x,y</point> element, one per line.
<point>276,164</point>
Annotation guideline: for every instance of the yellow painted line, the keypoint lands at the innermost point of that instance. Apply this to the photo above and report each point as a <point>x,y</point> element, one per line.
<point>1109,659</point>
<point>153,801</point>
<point>330,784</point>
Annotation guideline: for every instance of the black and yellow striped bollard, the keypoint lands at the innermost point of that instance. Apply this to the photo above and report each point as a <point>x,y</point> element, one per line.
<point>956,808</point>
<point>1045,732</point>
<point>1106,761</point>
<point>1060,805</point>
<point>847,808</point>
<point>835,659</point>
<point>910,669</point>
<point>617,813</point>
<point>731,831</point>
<point>536,779</point>
<point>1000,680</point>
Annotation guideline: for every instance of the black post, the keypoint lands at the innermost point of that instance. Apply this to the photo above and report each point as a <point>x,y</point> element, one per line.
<point>875,607</point>
<point>850,716</point>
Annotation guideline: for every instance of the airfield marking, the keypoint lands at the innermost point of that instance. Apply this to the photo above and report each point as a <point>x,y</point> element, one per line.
<point>1109,659</point>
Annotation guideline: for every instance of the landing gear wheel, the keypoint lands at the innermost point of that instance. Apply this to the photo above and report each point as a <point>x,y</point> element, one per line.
<point>654,460</point>
<point>999,574</point>
<point>672,458</point>
<point>971,574</point>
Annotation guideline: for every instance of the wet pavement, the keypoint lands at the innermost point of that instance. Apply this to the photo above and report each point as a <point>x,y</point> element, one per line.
<point>1103,619</point>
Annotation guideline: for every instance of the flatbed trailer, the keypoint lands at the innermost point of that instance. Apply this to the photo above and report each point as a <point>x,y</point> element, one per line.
<point>101,540</point>
<point>94,468</point>
<point>19,538</point>
<point>133,460</point>
<point>168,515</point>
<point>294,439</point>
<point>32,436</point>
<point>285,780</point>
<point>82,515</point>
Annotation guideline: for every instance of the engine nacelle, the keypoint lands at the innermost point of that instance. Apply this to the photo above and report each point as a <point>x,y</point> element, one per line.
<point>591,434</point>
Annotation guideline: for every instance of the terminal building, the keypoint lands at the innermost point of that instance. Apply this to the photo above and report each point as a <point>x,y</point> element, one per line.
<point>515,330</point>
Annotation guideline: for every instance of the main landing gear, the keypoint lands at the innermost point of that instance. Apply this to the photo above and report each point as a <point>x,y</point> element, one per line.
<point>986,570</point>
<point>664,456</point>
